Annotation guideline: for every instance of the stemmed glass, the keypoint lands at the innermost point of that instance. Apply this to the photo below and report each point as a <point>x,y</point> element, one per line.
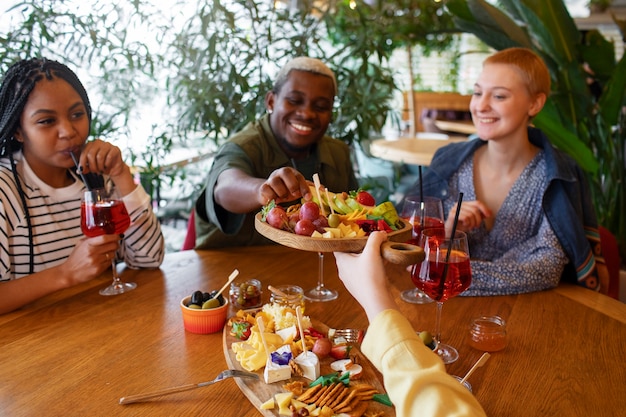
<point>320,292</point>
<point>101,214</point>
<point>422,215</point>
<point>444,273</point>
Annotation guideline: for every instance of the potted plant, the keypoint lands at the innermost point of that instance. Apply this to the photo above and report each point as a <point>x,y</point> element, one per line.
<point>590,127</point>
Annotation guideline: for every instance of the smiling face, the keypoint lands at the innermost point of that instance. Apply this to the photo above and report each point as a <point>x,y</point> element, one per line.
<point>502,105</point>
<point>53,124</point>
<point>301,111</point>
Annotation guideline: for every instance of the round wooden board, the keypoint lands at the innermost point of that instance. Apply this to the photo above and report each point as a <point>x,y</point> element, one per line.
<point>257,391</point>
<point>313,244</point>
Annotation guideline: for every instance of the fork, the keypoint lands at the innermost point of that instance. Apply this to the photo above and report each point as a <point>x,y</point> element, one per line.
<point>230,373</point>
<point>351,335</point>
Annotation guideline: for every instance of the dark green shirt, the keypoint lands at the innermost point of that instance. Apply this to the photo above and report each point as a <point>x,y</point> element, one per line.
<point>255,151</point>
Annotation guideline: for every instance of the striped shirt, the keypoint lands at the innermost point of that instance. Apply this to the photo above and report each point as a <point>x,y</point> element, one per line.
<point>55,220</point>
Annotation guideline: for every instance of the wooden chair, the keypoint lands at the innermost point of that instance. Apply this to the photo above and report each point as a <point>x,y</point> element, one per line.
<point>610,252</point>
<point>434,101</point>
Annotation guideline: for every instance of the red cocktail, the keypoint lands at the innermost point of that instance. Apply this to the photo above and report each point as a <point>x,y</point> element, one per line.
<point>424,214</point>
<point>428,277</point>
<point>100,214</point>
<point>104,218</point>
<point>444,273</point>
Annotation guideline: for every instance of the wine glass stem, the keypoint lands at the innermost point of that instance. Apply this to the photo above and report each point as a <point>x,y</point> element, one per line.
<point>116,277</point>
<point>320,278</point>
<point>438,322</point>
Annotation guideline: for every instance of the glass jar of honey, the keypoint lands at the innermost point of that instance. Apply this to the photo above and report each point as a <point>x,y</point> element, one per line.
<point>488,333</point>
<point>288,296</point>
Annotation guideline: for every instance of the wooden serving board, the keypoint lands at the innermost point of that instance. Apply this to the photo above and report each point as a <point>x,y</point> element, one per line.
<point>257,391</point>
<point>395,250</point>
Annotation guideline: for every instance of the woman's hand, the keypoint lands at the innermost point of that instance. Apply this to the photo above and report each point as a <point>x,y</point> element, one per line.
<point>284,184</point>
<point>365,277</point>
<point>470,217</point>
<point>90,258</point>
<point>102,157</point>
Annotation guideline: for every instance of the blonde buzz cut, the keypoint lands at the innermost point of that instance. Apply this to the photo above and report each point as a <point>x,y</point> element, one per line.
<point>304,63</point>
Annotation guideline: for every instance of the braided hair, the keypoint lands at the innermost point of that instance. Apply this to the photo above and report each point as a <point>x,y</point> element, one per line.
<point>17,84</point>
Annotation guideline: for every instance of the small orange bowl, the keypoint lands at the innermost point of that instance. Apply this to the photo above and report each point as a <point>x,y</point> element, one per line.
<point>203,321</point>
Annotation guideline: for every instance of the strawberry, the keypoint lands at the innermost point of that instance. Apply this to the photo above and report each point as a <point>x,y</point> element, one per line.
<point>382,225</point>
<point>340,351</point>
<point>240,329</point>
<point>365,198</point>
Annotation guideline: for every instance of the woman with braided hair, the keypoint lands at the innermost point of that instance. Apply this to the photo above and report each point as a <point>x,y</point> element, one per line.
<point>45,119</point>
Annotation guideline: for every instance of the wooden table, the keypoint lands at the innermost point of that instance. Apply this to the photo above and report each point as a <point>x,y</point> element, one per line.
<point>409,150</point>
<point>464,127</point>
<point>77,352</point>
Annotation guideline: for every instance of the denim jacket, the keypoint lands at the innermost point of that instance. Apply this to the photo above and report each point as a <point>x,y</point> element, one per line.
<point>566,202</point>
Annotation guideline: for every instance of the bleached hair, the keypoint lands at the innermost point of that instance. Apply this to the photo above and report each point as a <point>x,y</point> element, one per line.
<point>303,63</point>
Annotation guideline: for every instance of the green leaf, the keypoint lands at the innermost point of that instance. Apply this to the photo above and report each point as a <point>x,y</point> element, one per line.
<point>565,140</point>
<point>614,94</point>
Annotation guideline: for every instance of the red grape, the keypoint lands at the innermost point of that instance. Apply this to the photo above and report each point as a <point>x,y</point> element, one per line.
<point>277,217</point>
<point>309,211</point>
<point>320,223</point>
<point>305,227</point>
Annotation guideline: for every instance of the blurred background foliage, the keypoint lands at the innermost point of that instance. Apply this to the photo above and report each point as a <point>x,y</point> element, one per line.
<point>171,74</point>
<point>199,71</point>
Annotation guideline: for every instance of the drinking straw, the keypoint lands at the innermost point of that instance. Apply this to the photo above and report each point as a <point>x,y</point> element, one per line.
<point>445,265</point>
<point>422,208</point>
<point>80,172</point>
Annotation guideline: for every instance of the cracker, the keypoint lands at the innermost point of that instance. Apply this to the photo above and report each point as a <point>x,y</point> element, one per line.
<point>338,398</point>
<point>305,397</point>
<point>336,387</point>
<point>319,394</point>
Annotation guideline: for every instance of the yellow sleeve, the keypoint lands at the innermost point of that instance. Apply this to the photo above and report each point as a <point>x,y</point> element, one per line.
<point>415,378</point>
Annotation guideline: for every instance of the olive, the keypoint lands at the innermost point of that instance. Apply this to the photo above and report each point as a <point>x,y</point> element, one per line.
<point>194,306</point>
<point>334,220</point>
<point>197,298</point>
<point>212,303</point>
<point>426,337</point>
<point>212,294</point>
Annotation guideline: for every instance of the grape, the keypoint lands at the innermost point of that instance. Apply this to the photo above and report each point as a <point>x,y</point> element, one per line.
<point>320,223</point>
<point>305,227</point>
<point>277,217</point>
<point>309,211</point>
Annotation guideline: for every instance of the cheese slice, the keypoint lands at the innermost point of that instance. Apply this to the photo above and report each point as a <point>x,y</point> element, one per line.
<point>274,372</point>
<point>288,333</point>
<point>268,405</point>
<point>310,365</point>
<point>283,399</point>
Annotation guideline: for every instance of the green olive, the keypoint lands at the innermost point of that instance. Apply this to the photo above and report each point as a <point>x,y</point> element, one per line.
<point>194,306</point>
<point>334,220</point>
<point>212,303</point>
<point>426,337</point>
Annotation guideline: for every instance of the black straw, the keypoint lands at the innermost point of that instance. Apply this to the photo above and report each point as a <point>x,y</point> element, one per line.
<point>80,172</point>
<point>422,208</point>
<point>445,265</point>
